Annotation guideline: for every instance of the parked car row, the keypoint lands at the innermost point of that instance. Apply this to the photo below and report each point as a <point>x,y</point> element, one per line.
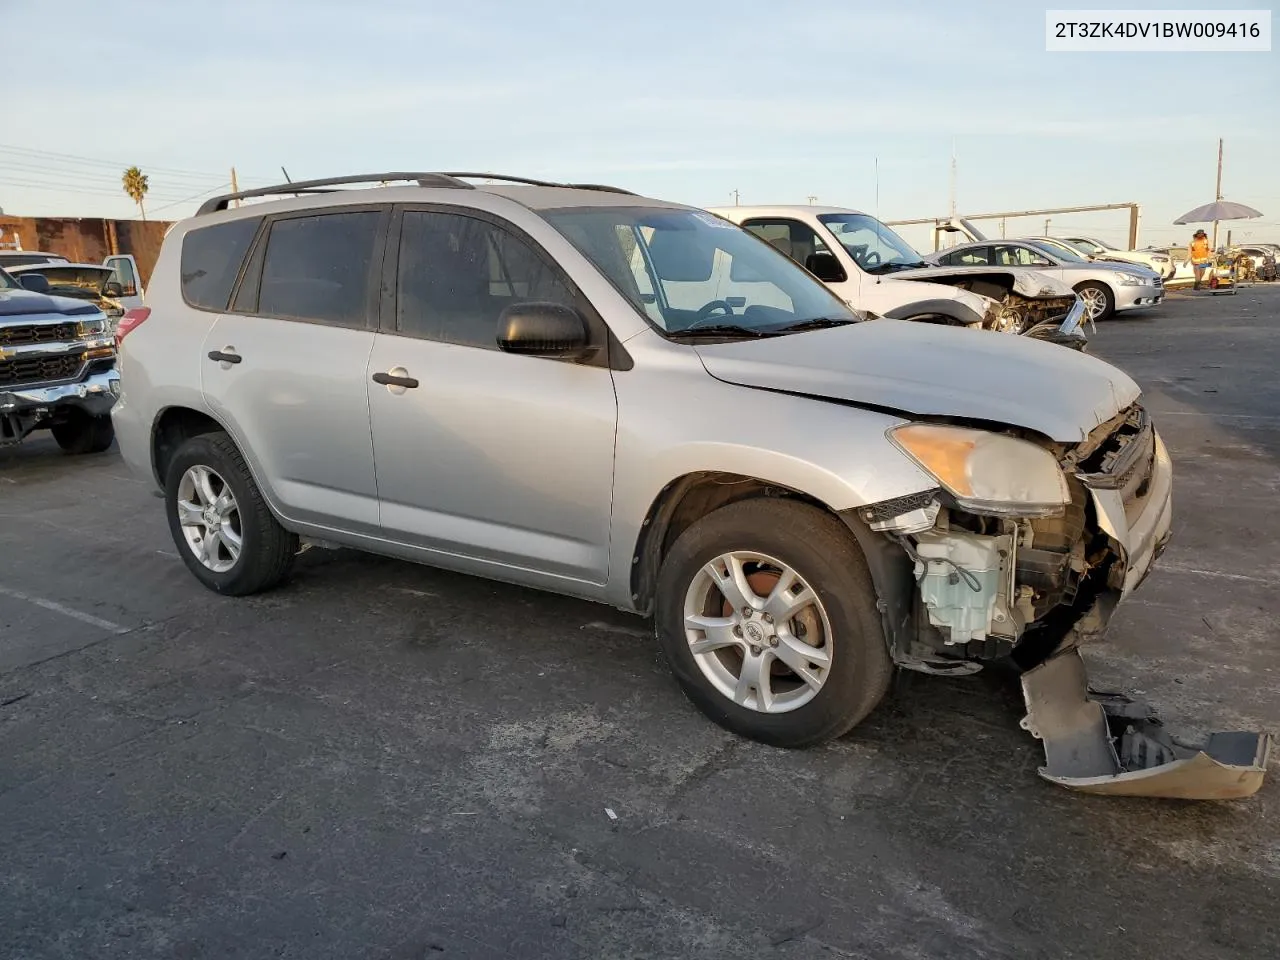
<point>640,403</point>
<point>1106,287</point>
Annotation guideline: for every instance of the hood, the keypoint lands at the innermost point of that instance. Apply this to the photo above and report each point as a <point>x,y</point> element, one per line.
<point>27,303</point>
<point>925,369</point>
<point>1030,283</point>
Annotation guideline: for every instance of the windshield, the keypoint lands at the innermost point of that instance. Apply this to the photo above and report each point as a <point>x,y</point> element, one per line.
<point>873,246</point>
<point>7,282</point>
<point>77,275</point>
<point>1062,252</point>
<point>1084,245</point>
<point>688,271</point>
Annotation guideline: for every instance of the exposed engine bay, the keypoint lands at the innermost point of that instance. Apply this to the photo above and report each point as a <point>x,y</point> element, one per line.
<point>1032,590</point>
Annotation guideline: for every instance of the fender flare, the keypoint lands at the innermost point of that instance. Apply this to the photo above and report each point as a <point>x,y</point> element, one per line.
<point>943,308</point>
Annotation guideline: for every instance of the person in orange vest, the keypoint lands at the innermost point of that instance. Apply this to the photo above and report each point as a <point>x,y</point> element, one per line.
<point>1200,256</point>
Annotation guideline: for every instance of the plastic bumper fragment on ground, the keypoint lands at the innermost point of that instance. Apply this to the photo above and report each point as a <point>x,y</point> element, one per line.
<point>1109,744</point>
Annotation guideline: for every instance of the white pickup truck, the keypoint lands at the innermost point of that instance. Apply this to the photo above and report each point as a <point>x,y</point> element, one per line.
<point>878,273</point>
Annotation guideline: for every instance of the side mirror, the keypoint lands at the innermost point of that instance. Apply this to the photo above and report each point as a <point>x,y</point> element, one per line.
<point>112,289</point>
<point>35,282</point>
<point>825,267</point>
<point>542,330</point>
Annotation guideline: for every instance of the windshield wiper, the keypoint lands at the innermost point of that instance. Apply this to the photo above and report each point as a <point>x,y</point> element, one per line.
<point>721,330</point>
<point>895,266</point>
<point>817,323</point>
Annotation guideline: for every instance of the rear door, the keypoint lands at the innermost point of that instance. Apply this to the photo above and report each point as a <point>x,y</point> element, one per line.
<point>285,365</point>
<point>502,459</point>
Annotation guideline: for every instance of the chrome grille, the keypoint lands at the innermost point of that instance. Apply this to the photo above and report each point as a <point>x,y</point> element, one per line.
<point>23,334</point>
<point>31,370</point>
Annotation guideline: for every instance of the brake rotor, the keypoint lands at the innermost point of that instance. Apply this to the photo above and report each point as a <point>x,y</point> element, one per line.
<point>805,625</point>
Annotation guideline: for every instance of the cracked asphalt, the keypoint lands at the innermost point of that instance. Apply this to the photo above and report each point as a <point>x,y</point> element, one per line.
<point>382,760</point>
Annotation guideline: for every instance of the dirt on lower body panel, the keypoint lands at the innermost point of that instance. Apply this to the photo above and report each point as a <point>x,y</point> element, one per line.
<point>1109,744</point>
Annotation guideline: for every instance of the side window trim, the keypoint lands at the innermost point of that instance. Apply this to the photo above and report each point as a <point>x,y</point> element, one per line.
<point>249,283</point>
<point>611,354</point>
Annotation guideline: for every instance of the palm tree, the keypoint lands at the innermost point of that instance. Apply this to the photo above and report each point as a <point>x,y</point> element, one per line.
<point>135,185</point>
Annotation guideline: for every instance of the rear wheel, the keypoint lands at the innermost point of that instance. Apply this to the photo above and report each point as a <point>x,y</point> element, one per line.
<point>1099,301</point>
<point>767,615</point>
<point>224,531</point>
<point>84,433</point>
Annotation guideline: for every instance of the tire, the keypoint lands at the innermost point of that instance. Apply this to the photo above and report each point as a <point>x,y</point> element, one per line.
<point>83,433</point>
<point>266,550</point>
<point>818,548</point>
<point>1099,293</point>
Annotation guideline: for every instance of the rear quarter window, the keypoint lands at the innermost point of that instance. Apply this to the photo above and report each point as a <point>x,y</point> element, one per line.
<point>211,259</point>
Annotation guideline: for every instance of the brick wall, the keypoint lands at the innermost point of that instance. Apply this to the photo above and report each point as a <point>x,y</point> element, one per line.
<point>86,239</point>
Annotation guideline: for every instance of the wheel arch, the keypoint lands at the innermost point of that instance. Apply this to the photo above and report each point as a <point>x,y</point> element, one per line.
<point>949,310</point>
<point>170,428</point>
<point>692,496</point>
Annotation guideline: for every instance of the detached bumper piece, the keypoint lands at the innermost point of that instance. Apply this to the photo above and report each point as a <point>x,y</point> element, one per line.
<point>1109,744</point>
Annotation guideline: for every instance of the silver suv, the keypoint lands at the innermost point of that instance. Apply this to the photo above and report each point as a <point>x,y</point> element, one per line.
<point>634,402</point>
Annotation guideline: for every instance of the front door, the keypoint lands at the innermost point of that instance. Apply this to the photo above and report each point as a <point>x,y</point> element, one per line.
<point>502,459</point>
<point>285,368</point>
<point>124,271</point>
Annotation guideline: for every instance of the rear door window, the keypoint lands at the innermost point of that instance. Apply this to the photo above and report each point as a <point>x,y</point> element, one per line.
<point>318,268</point>
<point>972,257</point>
<point>211,259</point>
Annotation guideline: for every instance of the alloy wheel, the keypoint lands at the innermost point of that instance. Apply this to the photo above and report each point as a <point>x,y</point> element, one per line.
<point>758,632</point>
<point>210,518</point>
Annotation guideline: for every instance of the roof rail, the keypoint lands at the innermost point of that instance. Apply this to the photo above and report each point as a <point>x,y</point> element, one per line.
<point>423,179</point>
<point>539,183</point>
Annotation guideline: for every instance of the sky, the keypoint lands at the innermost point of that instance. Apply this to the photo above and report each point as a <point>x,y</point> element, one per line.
<point>688,100</point>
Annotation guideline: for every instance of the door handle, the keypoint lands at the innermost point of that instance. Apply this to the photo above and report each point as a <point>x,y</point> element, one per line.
<point>224,356</point>
<point>395,380</point>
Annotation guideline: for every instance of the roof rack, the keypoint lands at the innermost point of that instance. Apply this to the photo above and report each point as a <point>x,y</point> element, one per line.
<point>423,179</point>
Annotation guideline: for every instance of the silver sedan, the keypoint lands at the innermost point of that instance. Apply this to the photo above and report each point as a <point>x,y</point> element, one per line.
<point>1105,288</point>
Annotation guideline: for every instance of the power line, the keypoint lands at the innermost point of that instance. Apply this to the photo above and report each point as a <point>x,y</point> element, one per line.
<point>202,193</point>
<point>88,191</point>
<point>33,172</point>
<point>77,159</point>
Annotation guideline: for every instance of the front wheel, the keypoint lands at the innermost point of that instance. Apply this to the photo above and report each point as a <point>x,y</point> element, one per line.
<point>224,531</point>
<point>83,433</point>
<point>767,616</point>
<point>1099,301</point>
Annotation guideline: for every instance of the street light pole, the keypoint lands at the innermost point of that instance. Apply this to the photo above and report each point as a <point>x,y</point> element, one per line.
<point>1217,193</point>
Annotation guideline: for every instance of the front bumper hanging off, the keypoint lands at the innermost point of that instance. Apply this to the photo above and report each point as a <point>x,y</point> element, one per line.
<point>1108,744</point>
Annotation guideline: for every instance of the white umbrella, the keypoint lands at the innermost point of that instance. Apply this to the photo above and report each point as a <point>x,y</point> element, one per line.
<point>1218,210</point>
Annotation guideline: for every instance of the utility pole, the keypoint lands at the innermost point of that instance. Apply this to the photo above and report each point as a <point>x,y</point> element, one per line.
<point>235,187</point>
<point>735,198</point>
<point>1046,226</point>
<point>1217,193</point>
<point>812,200</point>
<point>953,179</point>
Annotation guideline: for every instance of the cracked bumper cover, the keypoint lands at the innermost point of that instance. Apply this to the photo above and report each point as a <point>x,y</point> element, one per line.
<point>1109,744</point>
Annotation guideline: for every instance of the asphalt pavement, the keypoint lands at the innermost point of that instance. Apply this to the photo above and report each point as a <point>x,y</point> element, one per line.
<point>383,760</point>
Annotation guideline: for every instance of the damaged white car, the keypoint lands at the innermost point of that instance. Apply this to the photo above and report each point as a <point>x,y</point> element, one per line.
<point>800,499</point>
<point>877,272</point>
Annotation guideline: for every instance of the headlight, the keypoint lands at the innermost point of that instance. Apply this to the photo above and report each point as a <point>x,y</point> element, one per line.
<point>986,472</point>
<point>1131,279</point>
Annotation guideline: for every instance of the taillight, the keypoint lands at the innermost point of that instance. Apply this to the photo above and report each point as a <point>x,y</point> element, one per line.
<point>130,322</point>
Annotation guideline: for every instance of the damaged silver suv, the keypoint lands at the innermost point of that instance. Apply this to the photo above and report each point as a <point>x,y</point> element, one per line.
<point>545,384</point>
